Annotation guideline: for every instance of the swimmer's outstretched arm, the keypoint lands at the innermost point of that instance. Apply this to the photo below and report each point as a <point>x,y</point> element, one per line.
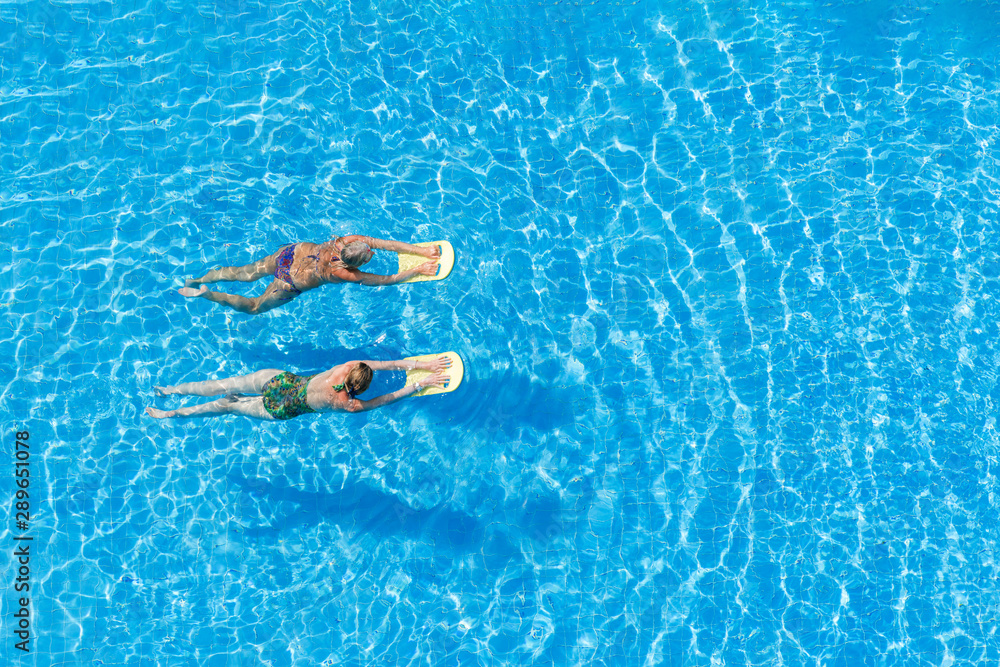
<point>435,365</point>
<point>430,252</point>
<point>356,405</point>
<point>375,280</point>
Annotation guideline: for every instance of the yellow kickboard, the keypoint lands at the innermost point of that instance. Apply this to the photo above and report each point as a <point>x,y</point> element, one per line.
<point>445,262</point>
<point>455,373</point>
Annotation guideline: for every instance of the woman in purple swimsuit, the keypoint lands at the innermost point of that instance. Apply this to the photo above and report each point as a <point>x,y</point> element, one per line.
<point>278,395</point>
<point>300,267</point>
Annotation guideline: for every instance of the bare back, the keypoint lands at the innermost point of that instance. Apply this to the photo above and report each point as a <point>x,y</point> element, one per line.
<point>326,390</point>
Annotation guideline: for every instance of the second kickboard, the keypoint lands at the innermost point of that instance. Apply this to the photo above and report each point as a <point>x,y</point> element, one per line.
<point>445,262</point>
<point>455,373</point>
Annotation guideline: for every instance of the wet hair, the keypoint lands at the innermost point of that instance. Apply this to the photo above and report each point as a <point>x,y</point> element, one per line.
<point>353,254</point>
<point>358,379</point>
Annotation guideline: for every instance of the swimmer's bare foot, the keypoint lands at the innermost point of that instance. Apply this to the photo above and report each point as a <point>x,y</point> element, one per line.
<point>164,391</point>
<point>191,291</point>
<point>159,414</point>
<point>191,282</point>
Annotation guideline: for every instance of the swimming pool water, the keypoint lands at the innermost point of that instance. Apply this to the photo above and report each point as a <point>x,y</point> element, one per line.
<point>725,296</point>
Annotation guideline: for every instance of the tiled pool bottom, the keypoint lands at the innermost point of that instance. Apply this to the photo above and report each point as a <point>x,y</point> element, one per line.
<point>724,295</point>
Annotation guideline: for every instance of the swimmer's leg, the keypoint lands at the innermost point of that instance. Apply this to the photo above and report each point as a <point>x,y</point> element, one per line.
<point>248,406</point>
<point>246,273</point>
<point>241,384</point>
<point>274,296</point>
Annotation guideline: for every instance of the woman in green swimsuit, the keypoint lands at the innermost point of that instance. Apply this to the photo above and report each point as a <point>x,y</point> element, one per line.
<point>300,267</point>
<point>278,395</point>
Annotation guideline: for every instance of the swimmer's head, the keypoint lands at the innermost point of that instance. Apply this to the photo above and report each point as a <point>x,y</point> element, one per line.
<point>355,254</point>
<point>358,379</point>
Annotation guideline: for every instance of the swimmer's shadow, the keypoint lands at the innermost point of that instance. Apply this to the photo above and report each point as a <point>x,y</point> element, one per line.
<point>497,406</point>
<point>360,507</point>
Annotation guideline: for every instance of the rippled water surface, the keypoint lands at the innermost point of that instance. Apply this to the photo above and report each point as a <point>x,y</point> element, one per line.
<point>725,295</point>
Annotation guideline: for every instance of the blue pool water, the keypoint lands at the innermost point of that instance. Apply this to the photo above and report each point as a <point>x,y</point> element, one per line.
<point>725,294</point>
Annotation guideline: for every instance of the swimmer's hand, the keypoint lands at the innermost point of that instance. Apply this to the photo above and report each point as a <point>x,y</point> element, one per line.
<point>435,365</point>
<point>439,379</point>
<point>428,268</point>
<point>432,252</point>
